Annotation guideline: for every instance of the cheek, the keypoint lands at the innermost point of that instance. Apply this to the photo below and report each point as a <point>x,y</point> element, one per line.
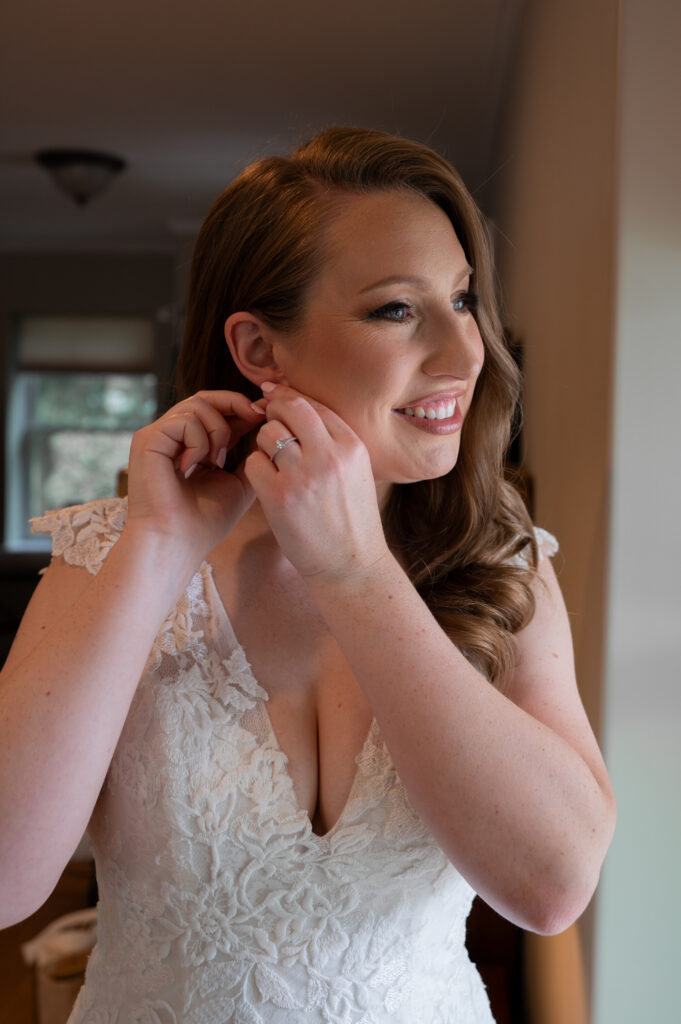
<point>477,347</point>
<point>362,385</point>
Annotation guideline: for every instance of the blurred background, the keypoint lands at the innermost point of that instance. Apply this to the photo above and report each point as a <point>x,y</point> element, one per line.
<point>562,116</point>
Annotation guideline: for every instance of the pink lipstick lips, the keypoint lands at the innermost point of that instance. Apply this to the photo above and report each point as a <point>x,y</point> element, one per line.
<point>438,414</point>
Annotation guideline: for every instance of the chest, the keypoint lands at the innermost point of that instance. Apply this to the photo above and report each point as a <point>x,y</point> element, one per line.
<point>316,708</point>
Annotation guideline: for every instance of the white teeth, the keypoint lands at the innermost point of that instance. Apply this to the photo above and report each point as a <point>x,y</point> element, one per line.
<point>439,412</point>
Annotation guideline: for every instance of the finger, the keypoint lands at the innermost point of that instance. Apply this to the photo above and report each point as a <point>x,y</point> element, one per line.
<point>197,443</point>
<point>273,438</point>
<point>227,415</point>
<point>204,427</point>
<point>207,423</point>
<point>282,444</point>
<point>260,406</point>
<point>231,403</point>
<point>305,417</point>
<point>259,471</point>
<point>172,435</point>
<point>183,437</point>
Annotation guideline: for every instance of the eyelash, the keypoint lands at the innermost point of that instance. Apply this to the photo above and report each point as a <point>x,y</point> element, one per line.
<point>468,299</point>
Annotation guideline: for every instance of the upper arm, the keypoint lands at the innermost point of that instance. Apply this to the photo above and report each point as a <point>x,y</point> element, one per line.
<point>544,682</point>
<point>59,589</point>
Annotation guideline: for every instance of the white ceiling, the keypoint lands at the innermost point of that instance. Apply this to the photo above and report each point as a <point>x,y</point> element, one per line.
<point>187,93</point>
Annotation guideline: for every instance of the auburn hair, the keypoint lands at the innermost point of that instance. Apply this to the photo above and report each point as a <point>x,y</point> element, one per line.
<point>260,248</point>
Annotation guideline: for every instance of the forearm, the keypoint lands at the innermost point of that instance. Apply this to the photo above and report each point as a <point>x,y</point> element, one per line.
<point>63,706</point>
<point>512,804</point>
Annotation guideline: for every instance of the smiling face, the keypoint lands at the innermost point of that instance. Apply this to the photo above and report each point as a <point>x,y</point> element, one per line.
<point>388,339</point>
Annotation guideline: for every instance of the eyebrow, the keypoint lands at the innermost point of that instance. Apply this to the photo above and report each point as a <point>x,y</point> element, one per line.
<point>418,282</point>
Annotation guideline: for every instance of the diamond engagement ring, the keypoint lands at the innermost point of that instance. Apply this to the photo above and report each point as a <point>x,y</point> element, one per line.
<point>280,443</point>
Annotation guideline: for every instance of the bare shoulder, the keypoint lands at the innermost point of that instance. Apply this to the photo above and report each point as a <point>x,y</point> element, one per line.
<point>57,592</point>
<point>544,683</point>
<point>544,647</point>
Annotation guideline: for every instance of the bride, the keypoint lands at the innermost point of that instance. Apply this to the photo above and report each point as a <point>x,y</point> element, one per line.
<point>312,684</point>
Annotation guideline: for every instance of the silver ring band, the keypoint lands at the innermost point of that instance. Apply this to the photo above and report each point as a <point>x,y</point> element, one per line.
<point>280,443</point>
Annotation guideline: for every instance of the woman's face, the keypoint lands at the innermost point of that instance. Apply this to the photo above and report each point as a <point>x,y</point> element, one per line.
<point>388,339</point>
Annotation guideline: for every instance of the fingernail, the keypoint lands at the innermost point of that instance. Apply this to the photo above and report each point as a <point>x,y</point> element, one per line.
<point>267,386</point>
<point>222,455</point>
<point>257,408</point>
<point>190,471</point>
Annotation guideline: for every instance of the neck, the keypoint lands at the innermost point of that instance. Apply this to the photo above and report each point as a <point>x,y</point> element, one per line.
<point>383,490</point>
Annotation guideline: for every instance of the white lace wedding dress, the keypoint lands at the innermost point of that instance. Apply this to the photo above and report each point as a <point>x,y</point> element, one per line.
<point>218,903</point>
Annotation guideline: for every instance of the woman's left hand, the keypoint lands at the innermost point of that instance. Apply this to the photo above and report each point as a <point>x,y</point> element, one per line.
<point>318,494</point>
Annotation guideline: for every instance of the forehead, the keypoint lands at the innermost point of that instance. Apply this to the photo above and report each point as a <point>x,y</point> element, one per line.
<point>382,234</point>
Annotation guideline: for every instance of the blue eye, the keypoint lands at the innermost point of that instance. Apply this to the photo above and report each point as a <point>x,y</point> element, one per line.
<point>468,301</point>
<point>398,312</point>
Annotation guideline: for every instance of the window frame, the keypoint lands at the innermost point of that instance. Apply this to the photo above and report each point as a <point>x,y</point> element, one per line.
<point>23,432</point>
<point>86,284</point>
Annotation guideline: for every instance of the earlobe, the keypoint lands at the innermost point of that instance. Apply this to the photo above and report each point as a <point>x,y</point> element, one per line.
<point>252,348</point>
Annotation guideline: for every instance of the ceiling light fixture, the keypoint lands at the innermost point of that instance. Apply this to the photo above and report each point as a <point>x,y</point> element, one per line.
<point>80,173</point>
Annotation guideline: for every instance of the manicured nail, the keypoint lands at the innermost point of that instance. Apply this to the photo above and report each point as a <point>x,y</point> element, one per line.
<point>257,408</point>
<point>190,471</point>
<point>222,455</point>
<point>267,386</point>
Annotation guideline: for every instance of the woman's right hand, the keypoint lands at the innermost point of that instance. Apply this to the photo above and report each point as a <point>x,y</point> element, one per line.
<point>74,667</point>
<point>176,485</point>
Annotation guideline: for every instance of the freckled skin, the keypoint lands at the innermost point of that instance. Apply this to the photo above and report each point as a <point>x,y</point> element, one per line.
<point>364,366</point>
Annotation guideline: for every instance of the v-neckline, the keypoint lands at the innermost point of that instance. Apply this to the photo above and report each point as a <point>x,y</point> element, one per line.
<point>219,606</point>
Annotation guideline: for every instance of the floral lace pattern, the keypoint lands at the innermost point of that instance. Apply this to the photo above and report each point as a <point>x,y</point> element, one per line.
<point>546,543</point>
<point>218,903</point>
<point>96,526</point>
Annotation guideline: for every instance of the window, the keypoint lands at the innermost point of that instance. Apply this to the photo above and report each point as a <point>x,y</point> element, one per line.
<point>79,389</point>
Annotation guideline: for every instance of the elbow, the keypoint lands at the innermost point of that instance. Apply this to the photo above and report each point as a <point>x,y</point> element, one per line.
<point>548,905</point>
<point>553,908</point>
<point>15,908</point>
<point>30,869</point>
<point>553,905</point>
<point>565,895</point>
<point>554,914</point>
<point>13,911</point>
<point>20,899</point>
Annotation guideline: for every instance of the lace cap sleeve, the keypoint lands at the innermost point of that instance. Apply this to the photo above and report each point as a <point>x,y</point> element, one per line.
<point>546,543</point>
<point>84,534</point>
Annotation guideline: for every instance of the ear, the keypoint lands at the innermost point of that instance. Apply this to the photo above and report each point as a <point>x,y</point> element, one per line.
<point>252,346</point>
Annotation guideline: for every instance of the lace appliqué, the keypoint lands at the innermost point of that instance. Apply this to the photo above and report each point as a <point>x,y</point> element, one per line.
<point>84,534</point>
<point>217,900</point>
<point>231,908</point>
<point>546,542</point>
<point>178,632</point>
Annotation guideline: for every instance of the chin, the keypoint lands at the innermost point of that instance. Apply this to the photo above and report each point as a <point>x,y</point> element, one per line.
<point>416,476</point>
<point>437,468</point>
<point>413,467</point>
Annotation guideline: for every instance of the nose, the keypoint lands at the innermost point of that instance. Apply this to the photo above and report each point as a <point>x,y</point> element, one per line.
<point>455,347</point>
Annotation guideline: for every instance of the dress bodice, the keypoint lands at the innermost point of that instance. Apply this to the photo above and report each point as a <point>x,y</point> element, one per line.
<point>218,903</point>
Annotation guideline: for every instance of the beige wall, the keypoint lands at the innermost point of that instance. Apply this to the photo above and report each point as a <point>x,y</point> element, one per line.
<point>637,935</point>
<point>589,240</point>
<point>554,206</point>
